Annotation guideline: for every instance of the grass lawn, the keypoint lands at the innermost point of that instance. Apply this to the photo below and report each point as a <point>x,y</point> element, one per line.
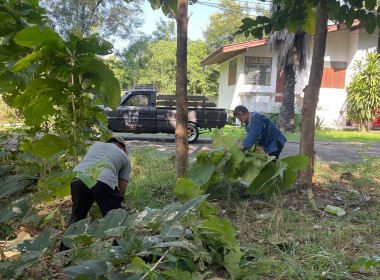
<point>320,135</point>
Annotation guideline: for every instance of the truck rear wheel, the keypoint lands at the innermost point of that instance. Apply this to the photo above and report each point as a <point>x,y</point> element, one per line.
<point>192,132</point>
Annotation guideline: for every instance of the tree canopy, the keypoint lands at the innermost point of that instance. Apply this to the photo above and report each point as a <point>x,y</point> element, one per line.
<point>151,61</point>
<point>111,19</point>
<point>224,23</point>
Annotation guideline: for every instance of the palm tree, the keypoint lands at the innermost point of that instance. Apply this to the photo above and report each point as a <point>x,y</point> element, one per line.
<point>293,51</point>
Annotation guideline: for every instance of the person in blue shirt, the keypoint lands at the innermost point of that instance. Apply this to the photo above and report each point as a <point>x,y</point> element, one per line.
<point>260,127</point>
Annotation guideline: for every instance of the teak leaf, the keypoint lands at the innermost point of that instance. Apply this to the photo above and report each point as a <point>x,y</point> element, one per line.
<point>335,210</point>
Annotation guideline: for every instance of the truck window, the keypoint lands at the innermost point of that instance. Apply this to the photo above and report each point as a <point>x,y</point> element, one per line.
<point>140,100</point>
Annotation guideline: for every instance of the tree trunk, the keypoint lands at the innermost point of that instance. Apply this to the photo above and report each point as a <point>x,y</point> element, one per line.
<point>181,143</point>
<point>311,96</point>
<point>286,121</point>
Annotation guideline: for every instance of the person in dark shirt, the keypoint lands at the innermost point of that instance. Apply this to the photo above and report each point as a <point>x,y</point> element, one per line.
<point>260,127</point>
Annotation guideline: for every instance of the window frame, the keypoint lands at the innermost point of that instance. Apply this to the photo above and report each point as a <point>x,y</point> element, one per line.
<point>135,96</point>
<point>248,65</point>
<point>232,72</point>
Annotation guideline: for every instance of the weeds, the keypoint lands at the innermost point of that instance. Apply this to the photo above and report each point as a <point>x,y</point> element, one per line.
<point>151,179</point>
<point>286,238</point>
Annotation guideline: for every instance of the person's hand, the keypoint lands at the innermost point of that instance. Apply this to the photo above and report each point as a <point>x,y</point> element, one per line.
<point>242,148</point>
<point>259,149</point>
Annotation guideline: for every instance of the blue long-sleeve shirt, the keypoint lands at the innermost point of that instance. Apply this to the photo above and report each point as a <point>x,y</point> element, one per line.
<point>270,134</point>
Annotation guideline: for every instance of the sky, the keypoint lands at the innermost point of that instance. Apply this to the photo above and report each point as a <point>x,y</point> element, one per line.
<point>199,18</point>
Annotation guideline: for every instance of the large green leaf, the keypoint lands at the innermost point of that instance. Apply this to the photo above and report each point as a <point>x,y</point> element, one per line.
<point>48,146</point>
<point>220,230</point>
<point>137,266</point>
<point>91,174</point>
<point>230,144</point>
<point>14,208</point>
<point>39,100</point>
<point>186,189</point>
<point>83,239</point>
<point>166,216</point>
<point>106,85</point>
<point>5,169</point>
<point>263,181</point>
<point>201,171</point>
<point>309,25</point>
<point>175,230</point>
<point>33,36</point>
<point>251,168</point>
<point>231,262</point>
<point>350,17</point>
<point>94,44</point>
<point>367,262</point>
<point>93,269</point>
<point>297,162</point>
<point>113,219</point>
<point>335,210</point>
<point>370,4</point>
<point>12,183</point>
<point>26,61</point>
<point>289,177</point>
<point>370,23</point>
<point>4,154</point>
<point>41,244</point>
<point>192,247</point>
<point>29,157</point>
<point>342,13</point>
<point>172,213</point>
<point>78,228</point>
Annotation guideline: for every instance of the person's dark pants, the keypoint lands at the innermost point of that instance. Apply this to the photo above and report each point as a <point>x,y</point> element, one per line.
<point>279,150</point>
<point>83,198</point>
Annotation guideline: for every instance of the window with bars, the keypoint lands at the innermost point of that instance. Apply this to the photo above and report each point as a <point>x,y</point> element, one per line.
<point>257,70</point>
<point>232,72</point>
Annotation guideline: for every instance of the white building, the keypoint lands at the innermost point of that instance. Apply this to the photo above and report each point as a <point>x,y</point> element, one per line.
<point>249,77</point>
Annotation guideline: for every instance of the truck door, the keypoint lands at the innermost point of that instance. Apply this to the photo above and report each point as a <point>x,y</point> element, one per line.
<point>137,113</point>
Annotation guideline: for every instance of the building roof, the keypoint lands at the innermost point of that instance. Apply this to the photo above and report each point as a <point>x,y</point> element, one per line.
<point>228,51</point>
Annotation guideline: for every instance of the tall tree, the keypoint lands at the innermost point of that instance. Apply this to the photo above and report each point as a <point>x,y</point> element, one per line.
<point>293,51</point>
<point>178,9</point>
<point>110,19</point>
<point>181,130</point>
<point>310,100</point>
<point>224,23</point>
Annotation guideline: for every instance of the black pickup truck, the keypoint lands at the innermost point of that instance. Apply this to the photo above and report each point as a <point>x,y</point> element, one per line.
<point>143,111</point>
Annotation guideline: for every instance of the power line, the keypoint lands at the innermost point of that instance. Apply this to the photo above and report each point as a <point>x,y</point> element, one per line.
<point>257,2</point>
<point>233,9</point>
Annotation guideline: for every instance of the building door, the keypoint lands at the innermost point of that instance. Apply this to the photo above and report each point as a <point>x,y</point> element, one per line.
<point>279,85</point>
